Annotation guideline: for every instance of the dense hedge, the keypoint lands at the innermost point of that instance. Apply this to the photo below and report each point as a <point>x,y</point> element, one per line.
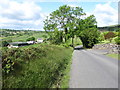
<point>34,67</point>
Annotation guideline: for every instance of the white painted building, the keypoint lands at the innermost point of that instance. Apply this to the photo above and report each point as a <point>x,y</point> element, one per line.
<point>30,42</point>
<point>39,40</point>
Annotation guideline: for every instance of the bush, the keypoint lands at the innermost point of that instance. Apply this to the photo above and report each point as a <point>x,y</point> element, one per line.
<point>89,37</point>
<point>101,37</point>
<point>11,56</point>
<point>31,39</point>
<point>40,66</point>
<point>5,43</point>
<point>117,40</point>
<point>109,36</point>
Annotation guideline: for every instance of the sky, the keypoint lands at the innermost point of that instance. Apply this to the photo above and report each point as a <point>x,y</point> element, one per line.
<point>30,14</point>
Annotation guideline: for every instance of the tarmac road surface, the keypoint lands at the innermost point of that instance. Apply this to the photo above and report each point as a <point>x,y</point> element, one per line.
<point>91,69</point>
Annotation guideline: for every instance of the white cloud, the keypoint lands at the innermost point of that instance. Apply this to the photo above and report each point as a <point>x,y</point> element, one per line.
<point>105,14</point>
<point>20,15</point>
<point>15,14</point>
<point>73,5</point>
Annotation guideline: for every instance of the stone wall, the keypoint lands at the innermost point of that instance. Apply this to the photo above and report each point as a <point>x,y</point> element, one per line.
<point>112,48</point>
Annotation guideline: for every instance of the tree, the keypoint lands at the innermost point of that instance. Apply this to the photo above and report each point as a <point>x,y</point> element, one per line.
<point>66,22</point>
<point>5,43</point>
<point>63,20</point>
<point>31,39</point>
<point>109,36</point>
<point>87,31</point>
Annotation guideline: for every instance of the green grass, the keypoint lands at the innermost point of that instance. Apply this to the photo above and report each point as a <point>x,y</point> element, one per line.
<point>77,41</point>
<point>38,66</point>
<point>66,78</point>
<point>116,56</point>
<point>17,38</point>
<point>107,41</point>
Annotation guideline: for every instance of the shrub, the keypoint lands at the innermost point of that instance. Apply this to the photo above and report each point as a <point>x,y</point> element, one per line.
<point>89,37</point>
<point>31,39</point>
<point>17,55</point>
<point>42,69</point>
<point>117,40</point>
<point>101,37</point>
<point>7,66</point>
<point>109,36</point>
<point>5,43</point>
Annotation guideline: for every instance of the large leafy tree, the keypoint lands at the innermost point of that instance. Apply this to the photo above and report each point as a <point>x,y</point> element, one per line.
<point>64,19</point>
<point>66,22</point>
<point>87,31</point>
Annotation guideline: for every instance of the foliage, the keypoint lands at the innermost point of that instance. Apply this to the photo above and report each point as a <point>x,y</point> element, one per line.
<point>118,30</point>
<point>101,37</point>
<point>66,22</point>
<point>5,43</point>
<point>109,35</point>
<point>36,66</point>
<point>117,40</point>
<point>87,31</point>
<point>61,23</point>
<point>57,37</point>
<point>7,66</point>
<point>31,39</point>
<point>44,36</point>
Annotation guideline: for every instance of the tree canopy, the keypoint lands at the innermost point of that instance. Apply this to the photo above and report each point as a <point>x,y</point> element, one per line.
<point>66,22</point>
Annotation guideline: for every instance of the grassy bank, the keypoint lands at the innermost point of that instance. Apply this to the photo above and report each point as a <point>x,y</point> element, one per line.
<point>35,66</point>
<point>116,56</point>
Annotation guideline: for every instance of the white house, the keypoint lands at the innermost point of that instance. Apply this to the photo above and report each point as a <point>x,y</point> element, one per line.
<point>30,42</point>
<point>39,40</point>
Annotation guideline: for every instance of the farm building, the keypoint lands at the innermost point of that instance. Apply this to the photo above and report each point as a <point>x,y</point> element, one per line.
<point>30,42</point>
<point>17,44</point>
<point>39,40</point>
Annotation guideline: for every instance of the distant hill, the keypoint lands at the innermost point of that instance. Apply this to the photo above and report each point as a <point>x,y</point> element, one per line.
<point>109,28</point>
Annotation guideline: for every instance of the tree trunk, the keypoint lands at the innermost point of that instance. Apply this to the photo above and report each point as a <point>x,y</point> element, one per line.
<point>72,42</point>
<point>66,31</point>
<point>85,43</point>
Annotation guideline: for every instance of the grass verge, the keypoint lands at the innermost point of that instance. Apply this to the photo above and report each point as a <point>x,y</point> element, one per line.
<point>115,56</point>
<point>65,79</point>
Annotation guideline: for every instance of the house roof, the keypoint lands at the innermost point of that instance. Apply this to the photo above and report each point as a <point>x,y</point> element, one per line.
<point>18,43</point>
<point>39,39</point>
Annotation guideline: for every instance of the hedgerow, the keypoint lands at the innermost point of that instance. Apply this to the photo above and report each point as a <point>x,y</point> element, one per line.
<point>34,67</point>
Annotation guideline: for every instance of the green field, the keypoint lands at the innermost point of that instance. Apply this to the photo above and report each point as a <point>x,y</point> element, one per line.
<point>23,37</point>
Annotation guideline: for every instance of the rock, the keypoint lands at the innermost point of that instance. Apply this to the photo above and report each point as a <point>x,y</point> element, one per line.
<point>113,48</point>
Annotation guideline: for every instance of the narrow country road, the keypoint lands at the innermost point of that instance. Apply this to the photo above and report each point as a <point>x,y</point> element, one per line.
<point>91,69</point>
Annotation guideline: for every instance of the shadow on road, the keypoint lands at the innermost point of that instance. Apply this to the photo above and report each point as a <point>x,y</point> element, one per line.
<point>78,48</point>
